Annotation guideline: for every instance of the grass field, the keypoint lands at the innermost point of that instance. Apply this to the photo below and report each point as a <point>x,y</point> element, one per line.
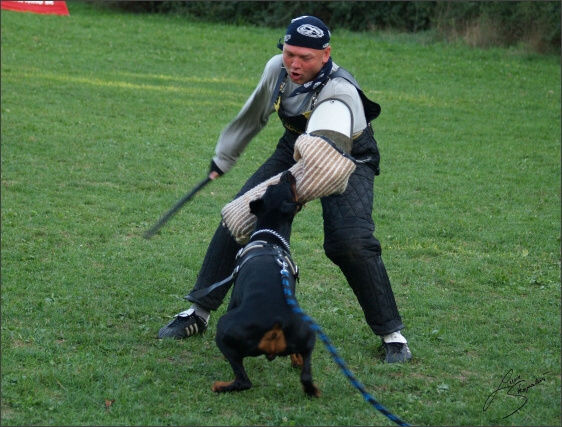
<point>108,119</point>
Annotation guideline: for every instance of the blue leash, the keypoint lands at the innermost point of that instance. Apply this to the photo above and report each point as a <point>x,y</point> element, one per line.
<point>354,381</point>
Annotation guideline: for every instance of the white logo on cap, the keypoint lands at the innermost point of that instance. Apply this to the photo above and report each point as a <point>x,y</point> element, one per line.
<point>310,31</point>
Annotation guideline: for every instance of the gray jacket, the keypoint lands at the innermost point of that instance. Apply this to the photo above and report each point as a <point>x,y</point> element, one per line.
<point>255,113</point>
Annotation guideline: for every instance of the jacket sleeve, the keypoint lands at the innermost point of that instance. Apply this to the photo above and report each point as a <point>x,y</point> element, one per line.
<point>251,119</point>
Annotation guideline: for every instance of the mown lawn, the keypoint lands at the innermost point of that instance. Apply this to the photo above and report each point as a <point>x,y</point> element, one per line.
<point>109,118</point>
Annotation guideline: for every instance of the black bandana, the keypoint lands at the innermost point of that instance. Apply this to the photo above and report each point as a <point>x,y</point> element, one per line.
<point>307,31</point>
<point>319,80</point>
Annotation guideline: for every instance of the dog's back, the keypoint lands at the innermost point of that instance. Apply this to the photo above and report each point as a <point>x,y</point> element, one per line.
<point>258,319</point>
<point>258,306</point>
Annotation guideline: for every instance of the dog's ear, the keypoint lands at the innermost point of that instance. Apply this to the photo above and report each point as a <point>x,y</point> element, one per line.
<point>255,206</point>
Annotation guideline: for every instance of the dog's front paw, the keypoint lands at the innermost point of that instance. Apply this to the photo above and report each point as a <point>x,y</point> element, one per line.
<point>223,387</point>
<point>311,390</point>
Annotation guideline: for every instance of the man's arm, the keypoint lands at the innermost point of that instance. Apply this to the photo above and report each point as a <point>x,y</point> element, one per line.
<point>249,122</point>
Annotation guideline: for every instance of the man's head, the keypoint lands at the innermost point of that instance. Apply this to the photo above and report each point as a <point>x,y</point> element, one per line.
<point>306,48</point>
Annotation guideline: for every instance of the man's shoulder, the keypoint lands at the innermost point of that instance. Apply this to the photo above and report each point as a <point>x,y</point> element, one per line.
<point>340,72</point>
<point>275,63</point>
<point>340,84</point>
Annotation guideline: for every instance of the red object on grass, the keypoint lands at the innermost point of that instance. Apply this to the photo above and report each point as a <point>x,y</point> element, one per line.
<point>46,7</point>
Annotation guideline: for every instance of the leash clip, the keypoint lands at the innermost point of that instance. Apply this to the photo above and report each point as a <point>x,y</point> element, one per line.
<point>235,272</point>
<point>284,265</point>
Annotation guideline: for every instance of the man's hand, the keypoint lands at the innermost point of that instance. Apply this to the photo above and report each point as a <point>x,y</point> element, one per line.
<point>214,171</point>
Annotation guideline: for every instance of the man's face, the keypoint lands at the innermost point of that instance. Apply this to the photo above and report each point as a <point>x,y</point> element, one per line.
<point>303,63</point>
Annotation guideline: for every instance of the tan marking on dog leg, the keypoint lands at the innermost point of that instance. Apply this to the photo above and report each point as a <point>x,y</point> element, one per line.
<point>296,360</point>
<point>219,386</point>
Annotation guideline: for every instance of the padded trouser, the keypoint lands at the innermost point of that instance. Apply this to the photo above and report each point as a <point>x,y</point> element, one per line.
<point>350,244</point>
<point>348,239</point>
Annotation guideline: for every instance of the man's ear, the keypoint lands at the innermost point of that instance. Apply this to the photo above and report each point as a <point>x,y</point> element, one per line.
<point>255,206</point>
<point>326,54</point>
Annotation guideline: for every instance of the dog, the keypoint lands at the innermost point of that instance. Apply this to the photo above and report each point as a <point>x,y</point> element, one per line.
<point>258,319</point>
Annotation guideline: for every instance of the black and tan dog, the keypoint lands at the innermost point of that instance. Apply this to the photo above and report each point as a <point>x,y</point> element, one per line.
<point>258,319</point>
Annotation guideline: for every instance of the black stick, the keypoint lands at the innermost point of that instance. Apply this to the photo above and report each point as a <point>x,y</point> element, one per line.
<point>148,234</point>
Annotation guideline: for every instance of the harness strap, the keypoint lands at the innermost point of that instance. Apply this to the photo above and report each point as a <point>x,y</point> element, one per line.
<point>244,255</point>
<point>206,291</point>
<point>280,85</point>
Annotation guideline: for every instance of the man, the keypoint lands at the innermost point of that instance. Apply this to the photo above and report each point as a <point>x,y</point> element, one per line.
<point>292,84</point>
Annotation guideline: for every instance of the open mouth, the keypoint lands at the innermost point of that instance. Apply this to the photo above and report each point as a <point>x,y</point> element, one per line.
<point>295,76</point>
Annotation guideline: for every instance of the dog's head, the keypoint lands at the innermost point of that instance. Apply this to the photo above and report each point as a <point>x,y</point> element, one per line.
<point>278,200</point>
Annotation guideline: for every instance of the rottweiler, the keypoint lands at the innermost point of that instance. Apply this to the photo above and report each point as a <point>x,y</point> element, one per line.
<point>258,318</point>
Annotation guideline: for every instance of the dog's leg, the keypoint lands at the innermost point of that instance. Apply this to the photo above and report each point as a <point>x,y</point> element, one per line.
<point>241,381</point>
<point>296,360</point>
<point>306,375</point>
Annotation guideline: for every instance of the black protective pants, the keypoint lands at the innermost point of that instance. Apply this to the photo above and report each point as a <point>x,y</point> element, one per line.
<point>348,237</point>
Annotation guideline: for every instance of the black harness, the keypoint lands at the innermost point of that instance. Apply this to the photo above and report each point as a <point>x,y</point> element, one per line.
<point>252,250</point>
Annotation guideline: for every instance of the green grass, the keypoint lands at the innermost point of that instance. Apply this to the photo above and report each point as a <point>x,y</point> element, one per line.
<point>107,119</point>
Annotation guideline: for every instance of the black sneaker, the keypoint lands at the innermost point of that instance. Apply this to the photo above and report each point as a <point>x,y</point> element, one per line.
<point>184,325</point>
<point>397,352</point>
